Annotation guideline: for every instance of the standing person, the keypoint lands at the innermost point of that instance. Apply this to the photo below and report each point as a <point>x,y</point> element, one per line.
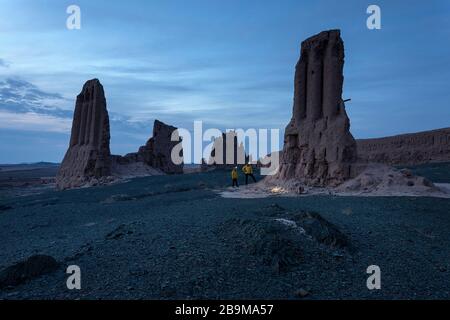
<point>234,177</point>
<point>248,171</point>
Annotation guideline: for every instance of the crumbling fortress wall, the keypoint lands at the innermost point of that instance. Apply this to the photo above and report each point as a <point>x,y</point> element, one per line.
<point>157,151</point>
<point>407,149</point>
<point>318,146</point>
<point>88,155</point>
<point>88,160</point>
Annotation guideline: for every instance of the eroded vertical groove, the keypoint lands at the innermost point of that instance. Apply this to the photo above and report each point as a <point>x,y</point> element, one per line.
<point>89,108</point>
<point>75,124</point>
<point>83,121</point>
<point>322,80</point>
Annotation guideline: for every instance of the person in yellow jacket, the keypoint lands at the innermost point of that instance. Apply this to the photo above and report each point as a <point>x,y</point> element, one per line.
<point>234,177</point>
<point>248,171</point>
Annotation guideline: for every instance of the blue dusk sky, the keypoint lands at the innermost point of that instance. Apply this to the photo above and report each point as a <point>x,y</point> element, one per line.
<point>227,63</point>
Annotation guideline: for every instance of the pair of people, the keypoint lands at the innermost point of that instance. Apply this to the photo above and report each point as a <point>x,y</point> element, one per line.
<point>248,171</point>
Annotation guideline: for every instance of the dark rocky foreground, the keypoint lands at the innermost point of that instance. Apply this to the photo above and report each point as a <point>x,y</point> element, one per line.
<point>168,237</point>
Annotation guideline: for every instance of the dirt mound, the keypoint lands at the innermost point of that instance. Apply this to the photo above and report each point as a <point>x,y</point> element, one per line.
<point>279,241</point>
<point>382,180</point>
<point>275,244</point>
<point>321,230</point>
<point>373,180</point>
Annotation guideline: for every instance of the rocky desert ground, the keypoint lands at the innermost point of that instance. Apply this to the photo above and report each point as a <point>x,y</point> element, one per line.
<point>176,237</point>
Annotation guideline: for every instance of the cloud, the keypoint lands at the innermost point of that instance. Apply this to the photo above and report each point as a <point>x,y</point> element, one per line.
<point>21,96</point>
<point>25,107</point>
<point>31,121</point>
<point>4,64</point>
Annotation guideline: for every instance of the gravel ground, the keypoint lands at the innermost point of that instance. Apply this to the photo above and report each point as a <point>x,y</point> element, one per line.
<point>174,237</point>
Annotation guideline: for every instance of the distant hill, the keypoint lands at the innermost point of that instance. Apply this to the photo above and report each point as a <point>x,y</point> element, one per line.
<point>27,166</point>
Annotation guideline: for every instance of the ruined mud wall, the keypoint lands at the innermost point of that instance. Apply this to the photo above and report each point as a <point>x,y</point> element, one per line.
<point>157,151</point>
<point>407,149</point>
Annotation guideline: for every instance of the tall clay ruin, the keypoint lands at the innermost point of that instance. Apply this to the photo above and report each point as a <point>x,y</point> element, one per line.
<point>319,149</point>
<point>88,154</point>
<point>88,160</point>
